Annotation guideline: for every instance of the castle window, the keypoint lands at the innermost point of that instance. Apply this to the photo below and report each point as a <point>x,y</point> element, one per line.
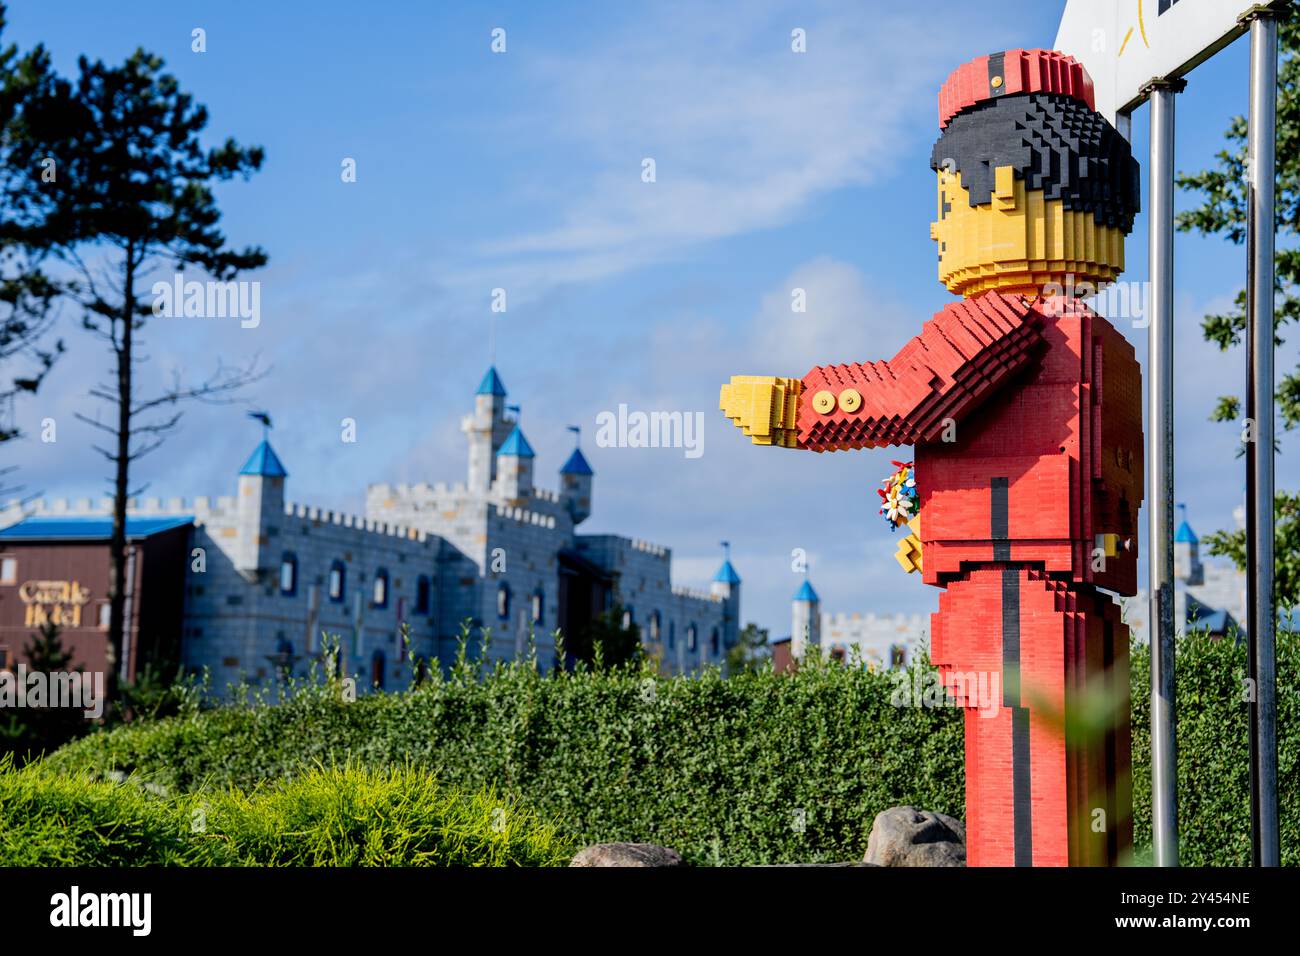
<point>289,574</point>
<point>379,595</point>
<point>690,638</point>
<point>338,582</point>
<point>654,625</point>
<point>503,602</point>
<point>539,605</point>
<point>8,570</point>
<point>627,619</point>
<point>714,643</point>
<point>422,594</point>
<point>105,615</point>
<point>377,664</point>
<point>672,634</point>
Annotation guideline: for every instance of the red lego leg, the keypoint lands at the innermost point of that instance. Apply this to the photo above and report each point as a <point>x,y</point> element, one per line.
<point>1030,658</point>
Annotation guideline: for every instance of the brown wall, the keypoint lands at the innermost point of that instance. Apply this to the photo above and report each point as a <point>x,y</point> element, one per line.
<point>160,604</point>
<point>782,662</point>
<point>154,625</point>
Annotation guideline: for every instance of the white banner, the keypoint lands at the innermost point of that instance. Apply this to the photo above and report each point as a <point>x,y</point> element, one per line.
<point>1124,44</point>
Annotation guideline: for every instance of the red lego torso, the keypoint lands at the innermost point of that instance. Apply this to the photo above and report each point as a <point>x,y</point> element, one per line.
<point>1066,427</point>
<point>1015,408</point>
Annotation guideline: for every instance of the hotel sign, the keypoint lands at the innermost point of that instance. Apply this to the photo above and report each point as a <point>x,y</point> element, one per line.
<point>53,602</point>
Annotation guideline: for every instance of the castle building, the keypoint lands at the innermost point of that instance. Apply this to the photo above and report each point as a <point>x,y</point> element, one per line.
<point>879,641</point>
<point>266,578</point>
<point>805,620</point>
<point>1208,595</point>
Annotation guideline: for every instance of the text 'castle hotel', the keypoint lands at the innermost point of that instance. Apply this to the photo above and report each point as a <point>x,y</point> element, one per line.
<point>246,586</point>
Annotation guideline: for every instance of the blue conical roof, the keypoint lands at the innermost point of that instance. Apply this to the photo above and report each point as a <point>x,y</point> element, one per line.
<point>517,445</point>
<point>806,593</point>
<point>1185,534</point>
<point>577,464</point>
<point>264,462</point>
<point>491,384</point>
<point>727,574</point>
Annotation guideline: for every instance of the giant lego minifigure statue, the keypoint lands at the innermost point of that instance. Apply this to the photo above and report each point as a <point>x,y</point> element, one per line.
<point>1024,407</point>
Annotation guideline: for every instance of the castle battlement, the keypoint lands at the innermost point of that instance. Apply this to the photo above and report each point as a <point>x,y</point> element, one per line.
<point>694,595</point>
<point>418,492</point>
<point>523,516</point>
<point>200,507</point>
<point>657,550</point>
<point>856,619</point>
<point>58,506</point>
<point>618,544</point>
<point>356,522</point>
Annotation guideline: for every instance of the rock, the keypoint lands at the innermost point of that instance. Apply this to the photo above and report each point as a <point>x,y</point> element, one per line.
<point>906,836</point>
<point>627,854</point>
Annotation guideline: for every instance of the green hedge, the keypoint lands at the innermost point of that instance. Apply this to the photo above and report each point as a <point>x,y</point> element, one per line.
<point>757,768</point>
<point>337,817</point>
<point>1214,750</point>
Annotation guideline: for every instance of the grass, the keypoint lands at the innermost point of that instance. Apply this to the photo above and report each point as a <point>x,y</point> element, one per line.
<point>336,816</point>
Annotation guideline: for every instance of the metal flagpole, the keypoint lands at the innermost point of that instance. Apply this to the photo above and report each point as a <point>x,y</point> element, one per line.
<point>1260,225</point>
<point>1160,496</point>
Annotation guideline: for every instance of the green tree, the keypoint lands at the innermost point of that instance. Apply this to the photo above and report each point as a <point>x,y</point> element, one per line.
<point>1224,194</point>
<point>1286,543</point>
<point>132,200</point>
<point>751,651</point>
<point>36,730</point>
<point>26,293</point>
<point>46,652</point>
<point>605,640</point>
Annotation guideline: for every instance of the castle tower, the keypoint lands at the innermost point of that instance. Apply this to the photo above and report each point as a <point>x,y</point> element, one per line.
<point>514,480</point>
<point>260,506</point>
<point>575,486</point>
<point>1187,554</point>
<point>486,429</point>
<point>726,585</point>
<point>805,621</point>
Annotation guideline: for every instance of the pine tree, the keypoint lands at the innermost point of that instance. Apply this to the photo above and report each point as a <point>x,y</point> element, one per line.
<point>133,201</point>
<point>46,652</point>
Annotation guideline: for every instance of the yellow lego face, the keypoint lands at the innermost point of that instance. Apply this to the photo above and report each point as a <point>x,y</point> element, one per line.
<point>1020,242</point>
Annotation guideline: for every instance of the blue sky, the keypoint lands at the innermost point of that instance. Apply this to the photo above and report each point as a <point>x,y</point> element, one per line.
<point>522,171</point>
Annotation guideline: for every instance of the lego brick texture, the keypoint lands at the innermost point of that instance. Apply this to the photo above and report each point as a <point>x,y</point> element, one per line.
<point>1012,72</point>
<point>1054,144</point>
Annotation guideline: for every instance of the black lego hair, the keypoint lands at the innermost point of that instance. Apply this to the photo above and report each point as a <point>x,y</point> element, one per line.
<point>1054,143</point>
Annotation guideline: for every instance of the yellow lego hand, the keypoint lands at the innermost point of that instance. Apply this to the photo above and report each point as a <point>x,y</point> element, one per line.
<point>909,549</point>
<point>764,408</point>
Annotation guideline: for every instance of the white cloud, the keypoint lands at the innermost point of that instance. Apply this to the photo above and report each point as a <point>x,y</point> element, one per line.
<point>744,133</point>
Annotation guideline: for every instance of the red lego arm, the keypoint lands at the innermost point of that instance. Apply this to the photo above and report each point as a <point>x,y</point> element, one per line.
<point>962,356</point>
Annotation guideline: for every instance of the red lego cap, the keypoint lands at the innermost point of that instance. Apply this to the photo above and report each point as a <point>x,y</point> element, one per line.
<point>1015,71</point>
